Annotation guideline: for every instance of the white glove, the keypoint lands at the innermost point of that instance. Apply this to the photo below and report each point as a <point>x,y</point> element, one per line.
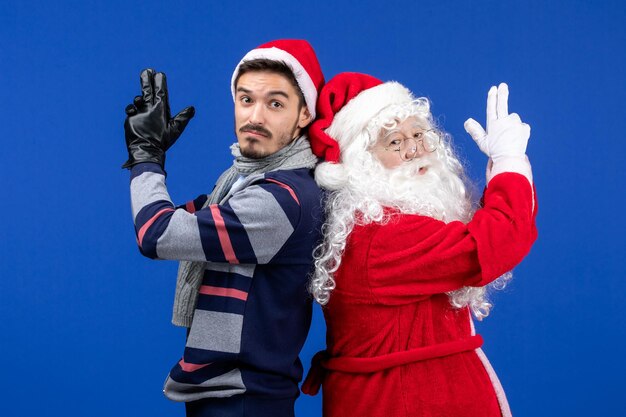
<point>506,135</point>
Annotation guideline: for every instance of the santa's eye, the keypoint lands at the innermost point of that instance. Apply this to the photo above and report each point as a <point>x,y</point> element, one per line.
<point>395,142</point>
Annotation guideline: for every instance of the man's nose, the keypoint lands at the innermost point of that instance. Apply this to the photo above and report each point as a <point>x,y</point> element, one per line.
<point>257,114</point>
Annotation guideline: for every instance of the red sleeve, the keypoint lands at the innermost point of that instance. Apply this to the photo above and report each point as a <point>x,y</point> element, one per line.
<point>414,255</point>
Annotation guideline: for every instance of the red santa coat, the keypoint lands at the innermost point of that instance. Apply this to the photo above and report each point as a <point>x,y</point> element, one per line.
<point>403,350</point>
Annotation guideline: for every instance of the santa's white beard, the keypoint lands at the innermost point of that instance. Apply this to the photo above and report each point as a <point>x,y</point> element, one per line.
<point>423,186</point>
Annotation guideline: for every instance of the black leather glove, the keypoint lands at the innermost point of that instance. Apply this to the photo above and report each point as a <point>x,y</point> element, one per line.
<point>149,128</point>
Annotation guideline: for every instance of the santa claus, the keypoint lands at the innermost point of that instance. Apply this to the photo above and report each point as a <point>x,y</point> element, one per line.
<point>408,254</point>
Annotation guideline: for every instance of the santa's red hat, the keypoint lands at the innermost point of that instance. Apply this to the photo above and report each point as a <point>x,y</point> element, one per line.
<point>299,57</point>
<point>347,104</point>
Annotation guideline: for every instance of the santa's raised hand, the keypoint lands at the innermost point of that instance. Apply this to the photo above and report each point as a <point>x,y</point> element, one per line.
<point>506,135</point>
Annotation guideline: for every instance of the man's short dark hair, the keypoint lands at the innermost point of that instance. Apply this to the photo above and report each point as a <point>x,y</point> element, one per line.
<point>269,65</point>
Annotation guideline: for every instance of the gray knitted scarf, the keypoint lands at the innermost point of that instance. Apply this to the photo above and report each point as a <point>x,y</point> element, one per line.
<point>293,156</point>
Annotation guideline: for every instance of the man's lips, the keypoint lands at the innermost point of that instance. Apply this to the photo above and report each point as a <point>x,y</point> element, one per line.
<point>253,133</point>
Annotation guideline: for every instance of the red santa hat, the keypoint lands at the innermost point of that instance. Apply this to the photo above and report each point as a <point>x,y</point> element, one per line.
<point>299,57</point>
<point>347,104</point>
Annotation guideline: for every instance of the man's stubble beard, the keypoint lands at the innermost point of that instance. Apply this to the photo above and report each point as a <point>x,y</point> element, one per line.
<point>283,141</point>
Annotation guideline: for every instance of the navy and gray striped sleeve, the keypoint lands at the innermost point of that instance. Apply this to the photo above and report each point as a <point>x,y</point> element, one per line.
<point>251,227</point>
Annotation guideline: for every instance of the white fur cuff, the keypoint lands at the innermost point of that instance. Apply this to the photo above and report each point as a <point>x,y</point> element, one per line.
<point>521,165</point>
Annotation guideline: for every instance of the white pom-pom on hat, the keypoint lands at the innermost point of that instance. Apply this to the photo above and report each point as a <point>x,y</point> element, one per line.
<point>331,176</point>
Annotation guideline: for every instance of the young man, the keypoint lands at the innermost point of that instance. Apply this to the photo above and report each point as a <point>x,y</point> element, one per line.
<point>406,256</point>
<point>247,246</point>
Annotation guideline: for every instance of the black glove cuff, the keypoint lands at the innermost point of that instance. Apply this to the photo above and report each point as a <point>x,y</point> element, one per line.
<point>144,152</point>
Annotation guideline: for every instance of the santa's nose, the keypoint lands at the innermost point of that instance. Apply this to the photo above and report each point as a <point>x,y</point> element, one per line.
<point>411,149</point>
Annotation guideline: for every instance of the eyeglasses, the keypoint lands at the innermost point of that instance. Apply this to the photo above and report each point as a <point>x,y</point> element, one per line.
<point>428,139</point>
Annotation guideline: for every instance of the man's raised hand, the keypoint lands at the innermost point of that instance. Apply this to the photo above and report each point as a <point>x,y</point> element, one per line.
<point>149,128</point>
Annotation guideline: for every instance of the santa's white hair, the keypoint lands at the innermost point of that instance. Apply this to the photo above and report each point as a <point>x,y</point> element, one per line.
<point>361,191</point>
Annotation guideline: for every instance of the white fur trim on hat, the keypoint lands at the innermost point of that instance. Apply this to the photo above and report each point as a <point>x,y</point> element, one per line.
<point>302,76</point>
<point>350,121</point>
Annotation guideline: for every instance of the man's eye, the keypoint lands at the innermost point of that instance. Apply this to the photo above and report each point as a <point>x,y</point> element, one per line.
<point>245,99</point>
<point>276,104</point>
<point>395,142</point>
<point>418,135</point>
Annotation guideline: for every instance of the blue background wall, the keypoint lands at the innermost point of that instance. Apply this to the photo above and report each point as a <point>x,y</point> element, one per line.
<point>84,319</point>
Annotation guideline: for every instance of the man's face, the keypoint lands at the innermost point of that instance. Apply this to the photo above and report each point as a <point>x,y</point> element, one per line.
<point>268,114</point>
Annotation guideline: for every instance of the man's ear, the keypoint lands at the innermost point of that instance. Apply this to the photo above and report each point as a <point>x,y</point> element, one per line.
<point>305,117</point>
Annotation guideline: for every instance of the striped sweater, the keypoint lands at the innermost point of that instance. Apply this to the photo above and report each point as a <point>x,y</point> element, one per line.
<point>253,311</point>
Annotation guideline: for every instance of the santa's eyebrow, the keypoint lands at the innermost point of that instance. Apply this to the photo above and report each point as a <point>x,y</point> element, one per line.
<point>420,127</point>
<point>391,132</point>
<point>415,126</point>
